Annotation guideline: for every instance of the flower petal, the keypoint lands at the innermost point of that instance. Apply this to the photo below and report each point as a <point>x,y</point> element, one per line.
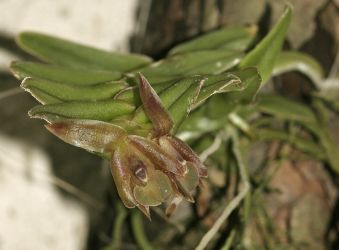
<point>187,153</point>
<point>122,178</point>
<point>162,122</point>
<point>173,205</point>
<point>144,210</point>
<point>191,179</point>
<point>157,156</point>
<point>157,190</point>
<point>94,136</point>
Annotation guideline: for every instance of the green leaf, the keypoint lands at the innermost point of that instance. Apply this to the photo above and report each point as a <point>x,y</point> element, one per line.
<point>131,94</point>
<point>43,97</point>
<point>227,82</point>
<point>252,79</point>
<point>285,108</point>
<point>331,101</point>
<point>192,98</point>
<point>228,38</point>
<point>67,92</point>
<point>265,53</point>
<point>305,64</point>
<point>70,54</point>
<point>61,74</point>
<point>169,96</point>
<point>214,114</point>
<point>188,93</point>
<point>99,110</point>
<point>330,148</point>
<point>202,62</point>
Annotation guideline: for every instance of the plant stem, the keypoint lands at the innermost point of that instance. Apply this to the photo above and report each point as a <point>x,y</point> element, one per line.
<point>138,231</point>
<point>234,203</point>
<point>229,240</point>
<point>118,224</point>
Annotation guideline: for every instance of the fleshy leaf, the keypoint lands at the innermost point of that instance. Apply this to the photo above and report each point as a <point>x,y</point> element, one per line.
<point>169,96</point>
<point>43,97</point>
<point>67,92</point>
<point>251,78</point>
<point>70,54</point>
<point>229,38</point>
<point>305,64</point>
<point>214,114</point>
<point>202,62</point>
<point>266,52</point>
<point>62,74</point>
<point>99,110</point>
<point>234,90</point>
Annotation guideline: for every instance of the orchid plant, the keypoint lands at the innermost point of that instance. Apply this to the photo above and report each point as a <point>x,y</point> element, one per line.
<point>147,171</point>
<point>132,111</point>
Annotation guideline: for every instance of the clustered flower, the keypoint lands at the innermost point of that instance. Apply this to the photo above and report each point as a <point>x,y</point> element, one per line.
<point>147,171</point>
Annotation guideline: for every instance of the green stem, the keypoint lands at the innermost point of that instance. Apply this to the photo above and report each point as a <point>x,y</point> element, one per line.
<point>229,240</point>
<point>138,231</point>
<point>118,224</point>
<point>235,202</point>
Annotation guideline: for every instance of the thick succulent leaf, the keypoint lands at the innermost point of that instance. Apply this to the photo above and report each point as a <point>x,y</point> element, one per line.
<point>67,92</point>
<point>196,95</point>
<point>285,108</point>
<point>215,85</point>
<point>62,74</point>
<point>214,114</point>
<point>182,96</point>
<point>266,52</point>
<point>297,61</point>
<point>251,78</point>
<point>70,54</point>
<point>99,110</point>
<point>228,38</point>
<point>43,97</point>
<point>169,96</point>
<point>202,62</point>
<point>131,94</point>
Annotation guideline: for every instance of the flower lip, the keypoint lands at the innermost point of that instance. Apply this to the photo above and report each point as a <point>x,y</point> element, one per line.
<point>141,175</point>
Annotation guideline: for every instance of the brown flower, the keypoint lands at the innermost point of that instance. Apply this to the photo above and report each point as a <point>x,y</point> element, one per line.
<point>146,171</point>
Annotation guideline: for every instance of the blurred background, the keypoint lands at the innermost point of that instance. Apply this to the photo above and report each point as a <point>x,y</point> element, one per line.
<point>51,194</point>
